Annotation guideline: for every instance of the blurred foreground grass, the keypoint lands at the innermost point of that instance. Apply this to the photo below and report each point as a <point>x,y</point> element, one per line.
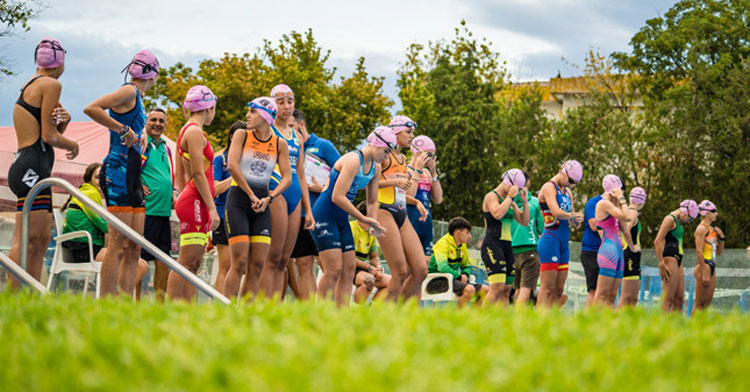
<point>62,343</point>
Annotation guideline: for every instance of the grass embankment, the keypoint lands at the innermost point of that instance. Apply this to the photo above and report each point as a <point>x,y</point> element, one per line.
<point>66,344</point>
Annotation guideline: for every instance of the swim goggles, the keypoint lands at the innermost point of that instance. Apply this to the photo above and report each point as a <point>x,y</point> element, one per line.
<point>408,124</point>
<point>261,107</point>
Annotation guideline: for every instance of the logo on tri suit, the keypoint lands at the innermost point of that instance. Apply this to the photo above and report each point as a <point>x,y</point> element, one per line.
<point>565,205</point>
<point>30,178</point>
<point>197,210</point>
<point>265,232</point>
<point>325,233</point>
<point>258,167</point>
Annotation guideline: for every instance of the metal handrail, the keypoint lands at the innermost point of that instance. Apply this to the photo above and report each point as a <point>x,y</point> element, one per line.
<point>117,224</point>
<point>21,274</point>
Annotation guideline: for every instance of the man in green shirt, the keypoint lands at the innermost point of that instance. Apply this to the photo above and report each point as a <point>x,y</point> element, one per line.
<point>525,239</point>
<point>157,178</point>
<point>450,256</point>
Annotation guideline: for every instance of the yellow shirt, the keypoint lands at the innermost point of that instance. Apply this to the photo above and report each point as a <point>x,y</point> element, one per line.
<point>364,242</point>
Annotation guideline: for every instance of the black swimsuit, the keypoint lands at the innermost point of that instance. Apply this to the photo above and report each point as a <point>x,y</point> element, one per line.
<point>32,163</point>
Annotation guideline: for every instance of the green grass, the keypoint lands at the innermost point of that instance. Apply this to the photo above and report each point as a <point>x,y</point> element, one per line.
<point>66,344</point>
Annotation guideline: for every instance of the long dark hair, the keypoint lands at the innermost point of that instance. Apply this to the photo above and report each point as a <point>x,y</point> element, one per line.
<point>237,125</point>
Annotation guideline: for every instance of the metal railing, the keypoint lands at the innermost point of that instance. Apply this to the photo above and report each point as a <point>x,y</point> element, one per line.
<point>21,274</point>
<point>118,225</point>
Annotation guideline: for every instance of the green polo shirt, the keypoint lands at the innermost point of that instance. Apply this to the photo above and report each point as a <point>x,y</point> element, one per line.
<point>156,174</point>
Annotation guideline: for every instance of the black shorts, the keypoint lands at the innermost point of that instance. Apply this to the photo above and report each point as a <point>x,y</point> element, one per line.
<point>244,224</point>
<point>712,265</point>
<point>80,251</point>
<point>590,268</point>
<point>32,164</point>
<point>632,265</point>
<point>158,231</point>
<point>122,189</point>
<point>219,236</point>
<point>498,258</point>
<point>671,249</point>
<point>398,213</point>
<point>439,285</point>
<point>305,245</point>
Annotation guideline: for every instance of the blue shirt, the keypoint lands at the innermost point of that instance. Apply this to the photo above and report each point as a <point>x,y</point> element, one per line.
<point>591,239</point>
<point>221,173</point>
<point>326,151</point>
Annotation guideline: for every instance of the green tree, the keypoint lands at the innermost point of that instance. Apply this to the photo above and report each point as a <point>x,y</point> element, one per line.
<point>693,74</point>
<point>449,89</point>
<point>344,113</point>
<point>15,14</point>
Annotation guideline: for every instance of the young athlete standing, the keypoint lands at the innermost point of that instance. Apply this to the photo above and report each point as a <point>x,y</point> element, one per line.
<point>668,247</point>
<point>709,243</point>
<point>631,278</point>
<point>426,189</point>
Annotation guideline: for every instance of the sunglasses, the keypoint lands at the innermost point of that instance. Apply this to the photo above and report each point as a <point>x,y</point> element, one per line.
<point>571,181</point>
<point>408,124</point>
<point>390,145</point>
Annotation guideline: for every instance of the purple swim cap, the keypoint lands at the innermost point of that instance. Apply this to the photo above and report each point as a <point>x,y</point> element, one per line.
<point>690,207</point>
<point>383,137</point>
<point>422,143</point>
<point>637,195</point>
<point>49,53</point>
<point>515,177</point>
<point>706,206</point>
<point>573,170</point>
<point>281,90</point>
<point>266,107</point>
<point>611,182</point>
<point>144,65</point>
<point>198,98</point>
<point>402,123</point>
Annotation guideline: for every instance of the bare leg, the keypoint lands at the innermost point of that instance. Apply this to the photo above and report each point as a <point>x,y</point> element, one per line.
<point>343,289</point>
<point>465,297</point>
<point>116,253</point>
<point>294,280</point>
<point>142,271</point>
<point>365,283</point>
<point>190,257</point>
<point>40,231</point>
<point>629,292</point>
<point>547,289</point>
<point>240,252</point>
<point>562,275</point>
<point>670,285</point>
<point>331,261</point>
<point>393,251</point>
<point>305,265</point>
<point>128,272</point>
<point>415,260</point>
<point>225,261</point>
<point>280,226</point>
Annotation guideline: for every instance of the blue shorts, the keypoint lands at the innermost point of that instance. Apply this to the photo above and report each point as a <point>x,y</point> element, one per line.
<point>333,234</point>
<point>423,229</point>
<point>554,253</point>
<point>611,259</point>
<point>120,180</point>
<point>292,195</point>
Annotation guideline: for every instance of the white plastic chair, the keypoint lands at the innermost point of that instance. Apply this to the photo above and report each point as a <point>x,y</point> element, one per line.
<point>444,296</point>
<point>63,256</point>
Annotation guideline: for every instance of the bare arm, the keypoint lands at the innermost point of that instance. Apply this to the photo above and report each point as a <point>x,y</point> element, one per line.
<point>522,216</point>
<point>223,185</point>
<point>302,179</point>
<point>495,207</point>
<point>285,168</point>
<point>667,224</point>
<point>233,164</point>
<point>372,194</point>
<point>700,242</point>
<point>720,245</point>
<point>195,141</point>
<point>49,130</point>
<point>349,169</point>
<point>548,195</point>
<point>121,100</point>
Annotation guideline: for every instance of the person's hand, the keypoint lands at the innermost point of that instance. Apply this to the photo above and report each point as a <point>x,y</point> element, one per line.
<point>375,228</point>
<point>421,161</point>
<point>215,220</point>
<point>664,271</point>
<point>316,186</point>
<point>60,115</point>
<point>260,205</point>
<point>144,141</point>
<point>404,183</point>
<point>309,222</point>
<point>616,193</point>
<point>464,278</point>
<point>719,232</point>
<point>73,152</point>
<point>130,138</point>
<point>146,191</point>
<point>577,218</point>
<point>432,166</point>
<point>422,212</point>
<point>513,191</point>
<point>377,272</point>
<point>637,248</point>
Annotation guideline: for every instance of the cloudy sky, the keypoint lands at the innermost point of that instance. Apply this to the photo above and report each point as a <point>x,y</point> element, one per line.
<point>533,36</point>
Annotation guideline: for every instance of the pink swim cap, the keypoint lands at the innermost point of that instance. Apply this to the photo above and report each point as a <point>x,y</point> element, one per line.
<point>144,65</point>
<point>402,123</point>
<point>706,206</point>
<point>422,143</point>
<point>611,182</point>
<point>281,90</point>
<point>266,107</point>
<point>573,170</point>
<point>637,195</point>
<point>515,177</point>
<point>49,53</point>
<point>383,137</point>
<point>690,207</point>
<point>198,98</point>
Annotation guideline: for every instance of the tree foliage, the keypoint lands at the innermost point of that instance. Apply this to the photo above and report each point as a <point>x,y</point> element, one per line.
<point>449,89</point>
<point>15,15</point>
<point>345,112</point>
